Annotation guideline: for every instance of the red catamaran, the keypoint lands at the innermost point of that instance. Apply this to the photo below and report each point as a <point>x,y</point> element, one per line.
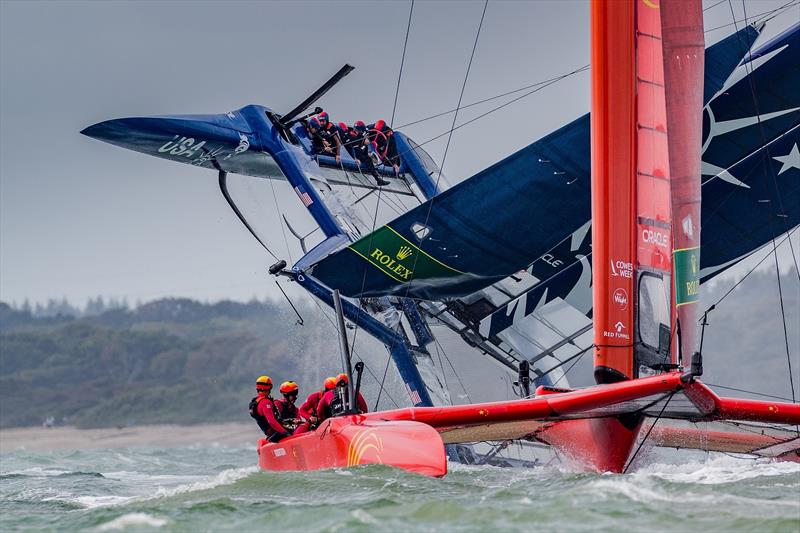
<point>647,91</point>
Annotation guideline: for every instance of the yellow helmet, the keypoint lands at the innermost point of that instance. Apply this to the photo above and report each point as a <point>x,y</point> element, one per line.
<point>264,383</point>
<point>288,387</point>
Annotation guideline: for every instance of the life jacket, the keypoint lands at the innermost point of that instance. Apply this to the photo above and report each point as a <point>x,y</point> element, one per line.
<point>286,410</point>
<point>262,422</point>
<point>337,405</point>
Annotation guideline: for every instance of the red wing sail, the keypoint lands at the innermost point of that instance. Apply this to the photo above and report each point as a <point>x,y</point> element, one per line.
<point>647,89</point>
<point>684,64</point>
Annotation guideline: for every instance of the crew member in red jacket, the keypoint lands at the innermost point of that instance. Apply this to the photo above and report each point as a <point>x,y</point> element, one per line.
<point>287,410</point>
<point>264,410</point>
<point>332,402</point>
<point>308,411</point>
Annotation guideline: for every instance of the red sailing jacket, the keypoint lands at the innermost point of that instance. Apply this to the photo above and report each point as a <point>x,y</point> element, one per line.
<point>309,407</point>
<point>324,406</point>
<point>265,409</point>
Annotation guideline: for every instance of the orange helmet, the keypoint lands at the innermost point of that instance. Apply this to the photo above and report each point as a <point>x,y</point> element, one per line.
<point>342,377</point>
<point>264,384</point>
<point>288,387</point>
<point>329,384</point>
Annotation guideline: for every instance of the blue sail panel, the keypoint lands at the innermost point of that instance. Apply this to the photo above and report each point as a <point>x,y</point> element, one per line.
<point>514,212</point>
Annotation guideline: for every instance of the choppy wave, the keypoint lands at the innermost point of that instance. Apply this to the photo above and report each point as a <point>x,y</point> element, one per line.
<point>218,488</point>
<point>133,520</point>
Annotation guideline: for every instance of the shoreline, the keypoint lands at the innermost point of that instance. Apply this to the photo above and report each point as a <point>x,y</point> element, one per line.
<point>160,435</point>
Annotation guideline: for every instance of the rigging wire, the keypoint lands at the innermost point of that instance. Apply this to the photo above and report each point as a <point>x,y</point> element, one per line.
<point>402,62</point>
<point>463,87</point>
<point>788,236</point>
<point>539,88</point>
<point>751,84</point>
<point>330,320</point>
<point>283,231</point>
<point>489,99</point>
<point>714,5</point>
<point>765,18</point>
<point>625,470</point>
<point>377,205</point>
<point>748,391</point>
<point>453,368</point>
<point>577,358</point>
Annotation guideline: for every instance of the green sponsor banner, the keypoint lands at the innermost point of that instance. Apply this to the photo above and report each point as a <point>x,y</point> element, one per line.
<point>399,258</point>
<point>687,275</point>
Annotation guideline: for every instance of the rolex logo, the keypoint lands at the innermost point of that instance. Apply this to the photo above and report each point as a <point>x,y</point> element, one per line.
<point>403,252</point>
<point>693,259</point>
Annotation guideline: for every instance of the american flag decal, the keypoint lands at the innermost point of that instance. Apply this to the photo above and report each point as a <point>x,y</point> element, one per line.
<point>415,399</point>
<point>304,196</point>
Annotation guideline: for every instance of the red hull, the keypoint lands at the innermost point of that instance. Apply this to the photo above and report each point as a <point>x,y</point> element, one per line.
<point>353,440</point>
<point>600,444</point>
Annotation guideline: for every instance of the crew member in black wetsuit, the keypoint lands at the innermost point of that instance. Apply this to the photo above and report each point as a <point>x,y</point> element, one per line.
<point>330,136</point>
<point>357,146</point>
<point>383,138</point>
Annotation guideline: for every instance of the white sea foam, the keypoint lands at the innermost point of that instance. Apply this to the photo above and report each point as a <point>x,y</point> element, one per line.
<point>37,472</point>
<point>132,520</point>
<point>92,502</point>
<point>226,477</point>
<point>718,470</point>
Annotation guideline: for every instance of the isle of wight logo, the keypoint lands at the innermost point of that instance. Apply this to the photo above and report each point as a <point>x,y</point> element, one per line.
<point>403,253</point>
<point>365,442</point>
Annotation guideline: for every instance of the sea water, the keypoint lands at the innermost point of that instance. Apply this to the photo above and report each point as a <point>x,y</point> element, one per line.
<point>215,488</point>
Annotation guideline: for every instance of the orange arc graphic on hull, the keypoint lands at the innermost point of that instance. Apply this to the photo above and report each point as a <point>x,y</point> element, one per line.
<point>364,441</point>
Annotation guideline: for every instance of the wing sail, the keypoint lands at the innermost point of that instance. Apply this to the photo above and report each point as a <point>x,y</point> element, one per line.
<point>517,211</point>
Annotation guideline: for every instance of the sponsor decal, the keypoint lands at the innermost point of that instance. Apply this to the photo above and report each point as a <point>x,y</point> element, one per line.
<point>364,442</point>
<point>399,258</point>
<point>656,236</point>
<point>620,297</point>
<point>403,253</point>
<point>182,146</point>
<point>618,333</point>
<point>621,269</point>
<point>244,145</point>
<point>688,226</point>
<point>687,275</point>
<point>279,452</point>
<point>552,261</point>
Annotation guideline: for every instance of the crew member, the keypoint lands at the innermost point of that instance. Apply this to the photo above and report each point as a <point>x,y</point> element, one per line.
<point>265,412</point>
<point>357,144</point>
<point>287,410</point>
<point>308,411</point>
<point>385,144</point>
<point>332,402</point>
<point>313,126</point>
<point>330,137</point>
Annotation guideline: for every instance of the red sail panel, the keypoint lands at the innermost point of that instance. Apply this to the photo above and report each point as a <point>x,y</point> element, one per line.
<point>684,47</point>
<point>653,264</point>
<point>613,145</point>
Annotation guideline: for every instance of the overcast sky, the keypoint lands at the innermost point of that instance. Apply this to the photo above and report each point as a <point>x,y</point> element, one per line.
<point>80,218</point>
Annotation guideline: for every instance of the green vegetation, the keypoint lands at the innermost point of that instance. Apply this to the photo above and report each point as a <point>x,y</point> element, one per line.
<point>168,361</point>
<point>182,361</point>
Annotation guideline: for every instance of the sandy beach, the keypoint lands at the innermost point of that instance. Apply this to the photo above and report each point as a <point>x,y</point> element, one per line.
<point>71,438</point>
